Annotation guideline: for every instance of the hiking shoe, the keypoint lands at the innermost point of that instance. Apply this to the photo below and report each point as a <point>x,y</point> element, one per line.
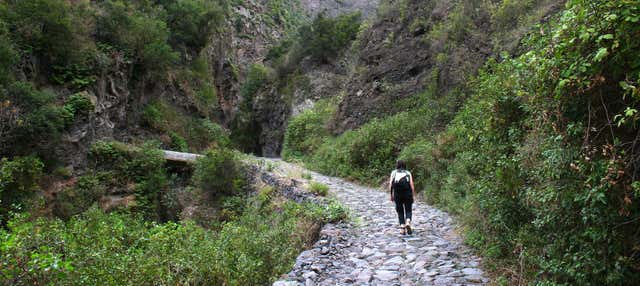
<point>408,227</point>
<point>403,229</point>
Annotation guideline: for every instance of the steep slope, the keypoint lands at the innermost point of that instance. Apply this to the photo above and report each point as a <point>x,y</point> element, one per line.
<point>78,78</point>
<point>536,152</point>
<point>434,47</point>
<point>336,7</point>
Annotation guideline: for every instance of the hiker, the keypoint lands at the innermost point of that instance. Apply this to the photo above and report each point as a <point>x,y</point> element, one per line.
<point>402,193</point>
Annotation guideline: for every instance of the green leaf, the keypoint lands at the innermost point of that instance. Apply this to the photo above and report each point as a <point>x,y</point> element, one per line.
<point>630,111</point>
<point>605,37</point>
<point>601,54</point>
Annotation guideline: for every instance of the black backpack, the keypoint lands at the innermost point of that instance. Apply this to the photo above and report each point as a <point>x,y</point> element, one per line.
<point>403,184</point>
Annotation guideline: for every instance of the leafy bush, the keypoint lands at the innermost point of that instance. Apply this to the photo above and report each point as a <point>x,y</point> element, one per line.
<point>198,134</point>
<point>77,104</point>
<point>140,32</point>
<point>79,198</point>
<point>45,28</point>
<point>178,143</point>
<point>306,131</point>
<point>285,13</point>
<point>8,53</point>
<point>19,179</point>
<point>368,153</point>
<point>218,172</point>
<point>325,37</point>
<point>319,188</point>
<point>33,122</point>
<point>137,170</point>
<point>523,162</point>
<point>192,22</point>
<point>509,12</point>
<point>121,249</point>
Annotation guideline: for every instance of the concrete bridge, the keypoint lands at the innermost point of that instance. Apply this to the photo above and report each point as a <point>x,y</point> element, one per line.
<point>180,157</point>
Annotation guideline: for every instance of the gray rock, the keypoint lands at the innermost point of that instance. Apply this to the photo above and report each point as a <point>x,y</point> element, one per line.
<point>472,271</point>
<point>386,275</point>
<point>286,283</point>
<point>364,276</point>
<point>309,275</point>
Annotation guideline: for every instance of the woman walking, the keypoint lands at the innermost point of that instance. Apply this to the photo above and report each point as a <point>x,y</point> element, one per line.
<point>402,193</point>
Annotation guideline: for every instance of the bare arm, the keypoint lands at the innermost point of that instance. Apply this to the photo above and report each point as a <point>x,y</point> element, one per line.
<point>390,187</point>
<point>413,189</point>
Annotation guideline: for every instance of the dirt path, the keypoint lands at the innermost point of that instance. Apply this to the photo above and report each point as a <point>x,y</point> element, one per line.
<point>369,250</point>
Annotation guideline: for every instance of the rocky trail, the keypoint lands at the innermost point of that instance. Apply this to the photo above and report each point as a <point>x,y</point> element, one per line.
<point>369,249</point>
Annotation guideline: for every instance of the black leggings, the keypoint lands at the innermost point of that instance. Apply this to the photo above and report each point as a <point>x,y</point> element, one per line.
<point>403,207</point>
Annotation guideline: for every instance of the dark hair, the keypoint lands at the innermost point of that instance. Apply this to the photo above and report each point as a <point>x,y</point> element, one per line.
<point>401,165</point>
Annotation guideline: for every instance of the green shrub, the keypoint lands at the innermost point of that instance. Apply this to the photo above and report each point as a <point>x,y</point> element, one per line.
<point>36,124</point>
<point>77,199</point>
<point>77,104</point>
<point>159,115</point>
<point>319,188</point>
<point>510,12</point>
<point>284,13</point>
<point>140,32</point>
<point>192,22</point>
<point>198,134</point>
<point>218,173</point>
<point>522,164</point>
<point>19,179</point>
<point>325,37</point>
<point>257,76</point>
<point>205,133</point>
<point>120,249</point>
<point>125,167</point>
<point>368,153</point>
<point>335,212</point>
<point>109,154</point>
<point>146,169</point>
<point>306,131</point>
<point>178,143</point>
<point>45,28</point>
<point>8,53</point>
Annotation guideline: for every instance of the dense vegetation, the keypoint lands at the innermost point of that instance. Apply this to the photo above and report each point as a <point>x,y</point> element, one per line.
<point>97,211</point>
<point>251,241</point>
<point>259,244</point>
<point>540,162</point>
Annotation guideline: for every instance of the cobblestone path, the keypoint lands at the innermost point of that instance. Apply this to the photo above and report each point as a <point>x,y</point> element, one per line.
<point>369,249</point>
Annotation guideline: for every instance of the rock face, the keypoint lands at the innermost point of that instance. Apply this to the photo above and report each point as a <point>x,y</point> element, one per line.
<point>400,54</point>
<point>273,108</point>
<point>336,7</point>
<point>370,250</point>
<point>119,97</point>
<point>418,46</point>
<point>245,41</point>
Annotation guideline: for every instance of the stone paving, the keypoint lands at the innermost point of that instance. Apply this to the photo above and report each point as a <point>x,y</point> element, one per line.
<point>369,250</point>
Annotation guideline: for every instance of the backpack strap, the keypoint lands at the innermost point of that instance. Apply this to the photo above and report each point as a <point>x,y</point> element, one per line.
<point>395,175</point>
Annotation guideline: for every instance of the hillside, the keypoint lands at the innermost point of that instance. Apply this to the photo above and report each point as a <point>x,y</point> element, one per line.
<point>517,117</point>
<point>531,144</point>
